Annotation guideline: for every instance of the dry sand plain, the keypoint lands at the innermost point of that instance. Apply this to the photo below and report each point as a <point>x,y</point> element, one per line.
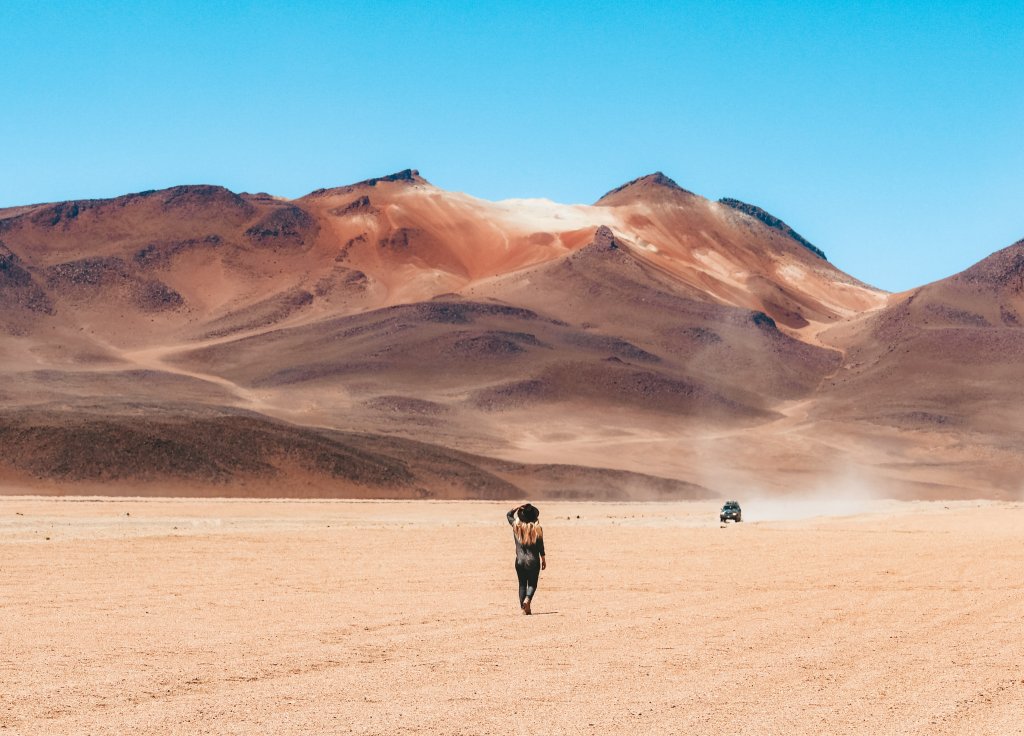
<point>248,617</point>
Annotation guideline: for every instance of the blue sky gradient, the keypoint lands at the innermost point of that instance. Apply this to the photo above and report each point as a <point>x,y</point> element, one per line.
<point>891,135</point>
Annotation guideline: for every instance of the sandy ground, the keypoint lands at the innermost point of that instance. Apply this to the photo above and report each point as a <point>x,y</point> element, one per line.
<point>196,617</point>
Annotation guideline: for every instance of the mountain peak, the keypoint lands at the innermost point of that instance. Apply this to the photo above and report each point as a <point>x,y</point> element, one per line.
<point>643,186</point>
<point>1004,269</point>
<point>405,176</point>
<point>409,175</point>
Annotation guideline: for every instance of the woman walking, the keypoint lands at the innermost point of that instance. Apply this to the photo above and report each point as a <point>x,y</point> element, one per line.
<point>529,538</point>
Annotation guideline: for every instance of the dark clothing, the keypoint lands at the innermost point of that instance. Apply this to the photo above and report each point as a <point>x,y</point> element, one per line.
<point>526,554</point>
<point>528,578</point>
<point>527,562</point>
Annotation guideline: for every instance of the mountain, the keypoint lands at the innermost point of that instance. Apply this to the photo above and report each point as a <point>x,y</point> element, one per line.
<point>939,370</point>
<point>389,338</point>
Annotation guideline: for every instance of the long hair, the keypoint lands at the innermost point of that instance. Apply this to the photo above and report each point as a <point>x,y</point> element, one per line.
<point>527,532</point>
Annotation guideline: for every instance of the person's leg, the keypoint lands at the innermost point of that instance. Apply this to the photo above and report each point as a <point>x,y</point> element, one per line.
<point>532,578</point>
<point>522,575</point>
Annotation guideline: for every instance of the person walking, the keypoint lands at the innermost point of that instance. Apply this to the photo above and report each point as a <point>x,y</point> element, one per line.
<point>529,538</point>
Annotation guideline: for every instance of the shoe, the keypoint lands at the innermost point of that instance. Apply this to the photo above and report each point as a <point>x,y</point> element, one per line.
<point>526,607</point>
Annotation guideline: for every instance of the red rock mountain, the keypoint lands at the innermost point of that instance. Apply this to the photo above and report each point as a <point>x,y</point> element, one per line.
<point>393,339</point>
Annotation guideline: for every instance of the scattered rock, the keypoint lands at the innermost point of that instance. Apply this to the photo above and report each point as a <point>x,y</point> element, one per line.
<point>98,271</point>
<point>286,226</point>
<point>349,244</point>
<point>617,346</point>
<point>956,316</point>
<point>400,239</point>
<point>357,206</point>
<point>407,405</point>
<point>200,196</point>
<point>411,176</point>
<point>605,238</point>
<point>771,221</point>
<point>58,213</point>
<point>156,296</point>
<point>403,175</point>
<point>159,254</point>
<point>18,289</point>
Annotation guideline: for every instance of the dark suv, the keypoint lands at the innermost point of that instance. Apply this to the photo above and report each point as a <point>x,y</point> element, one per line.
<point>731,510</point>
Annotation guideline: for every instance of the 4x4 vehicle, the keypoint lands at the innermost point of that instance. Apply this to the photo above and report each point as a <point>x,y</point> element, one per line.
<point>731,510</point>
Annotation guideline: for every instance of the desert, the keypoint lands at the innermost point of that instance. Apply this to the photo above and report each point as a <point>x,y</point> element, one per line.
<point>511,368</point>
<point>257,454</point>
<point>186,616</point>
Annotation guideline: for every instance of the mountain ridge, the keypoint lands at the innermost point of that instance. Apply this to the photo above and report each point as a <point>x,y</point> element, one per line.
<point>655,333</point>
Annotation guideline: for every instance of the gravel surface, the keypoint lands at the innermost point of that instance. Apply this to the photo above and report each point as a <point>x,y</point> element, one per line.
<point>287,617</point>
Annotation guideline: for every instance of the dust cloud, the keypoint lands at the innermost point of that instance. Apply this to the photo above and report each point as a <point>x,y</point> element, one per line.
<point>845,496</point>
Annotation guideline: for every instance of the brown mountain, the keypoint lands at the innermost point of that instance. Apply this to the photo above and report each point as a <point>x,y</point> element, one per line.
<point>940,371</point>
<point>389,338</point>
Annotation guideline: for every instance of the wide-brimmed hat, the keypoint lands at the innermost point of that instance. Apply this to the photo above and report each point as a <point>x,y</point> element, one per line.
<point>529,513</point>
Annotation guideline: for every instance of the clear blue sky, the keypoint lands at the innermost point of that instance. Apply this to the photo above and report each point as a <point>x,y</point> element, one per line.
<point>889,134</point>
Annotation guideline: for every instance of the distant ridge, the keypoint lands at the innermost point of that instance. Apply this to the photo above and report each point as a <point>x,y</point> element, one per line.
<point>773,222</point>
<point>405,175</point>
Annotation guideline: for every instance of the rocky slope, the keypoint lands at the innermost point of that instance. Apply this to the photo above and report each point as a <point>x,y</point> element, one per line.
<point>389,338</point>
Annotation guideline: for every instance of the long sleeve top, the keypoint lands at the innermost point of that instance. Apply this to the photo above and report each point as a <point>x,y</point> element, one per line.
<point>527,555</point>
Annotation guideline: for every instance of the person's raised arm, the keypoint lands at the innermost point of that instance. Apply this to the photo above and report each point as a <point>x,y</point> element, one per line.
<point>511,515</point>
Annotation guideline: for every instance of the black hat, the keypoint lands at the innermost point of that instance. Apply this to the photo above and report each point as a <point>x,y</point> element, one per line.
<point>528,513</point>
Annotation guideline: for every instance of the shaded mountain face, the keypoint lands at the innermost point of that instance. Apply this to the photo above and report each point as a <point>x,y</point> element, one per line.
<point>944,362</point>
<point>946,341</point>
<point>391,339</point>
